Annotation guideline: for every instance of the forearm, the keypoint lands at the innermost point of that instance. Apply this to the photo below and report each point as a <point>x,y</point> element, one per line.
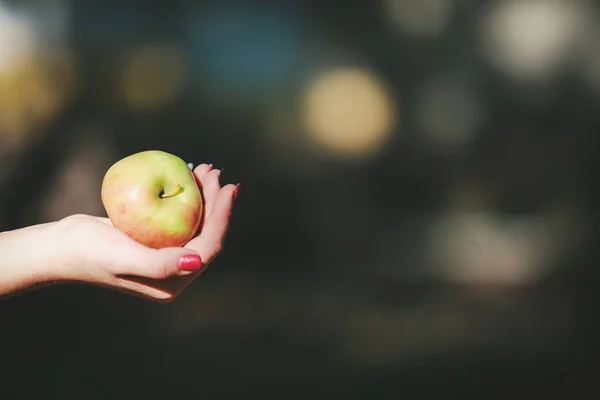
<point>29,257</point>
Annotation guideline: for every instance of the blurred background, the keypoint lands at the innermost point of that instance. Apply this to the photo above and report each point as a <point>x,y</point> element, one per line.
<point>417,208</point>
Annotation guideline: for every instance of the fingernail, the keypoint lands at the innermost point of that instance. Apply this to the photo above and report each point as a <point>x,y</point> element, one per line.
<point>236,191</point>
<point>190,262</point>
<point>210,167</point>
<point>191,166</point>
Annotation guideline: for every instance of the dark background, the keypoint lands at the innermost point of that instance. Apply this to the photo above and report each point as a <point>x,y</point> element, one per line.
<point>418,202</point>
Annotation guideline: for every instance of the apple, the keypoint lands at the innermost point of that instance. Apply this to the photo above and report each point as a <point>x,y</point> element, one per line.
<point>153,197</point>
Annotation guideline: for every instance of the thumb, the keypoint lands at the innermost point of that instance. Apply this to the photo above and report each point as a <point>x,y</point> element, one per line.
<point>164,263</point>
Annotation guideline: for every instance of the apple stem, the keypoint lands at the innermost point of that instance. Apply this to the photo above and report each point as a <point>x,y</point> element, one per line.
<point>174,193</point>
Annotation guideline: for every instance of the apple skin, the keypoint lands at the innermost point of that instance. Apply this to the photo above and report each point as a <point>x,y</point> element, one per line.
<point>154,198</point>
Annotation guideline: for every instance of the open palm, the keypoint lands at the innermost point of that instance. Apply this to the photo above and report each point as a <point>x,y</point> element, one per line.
<point>103,255</point>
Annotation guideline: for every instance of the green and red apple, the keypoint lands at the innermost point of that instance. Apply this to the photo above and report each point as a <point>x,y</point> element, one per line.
<point>154,198</point>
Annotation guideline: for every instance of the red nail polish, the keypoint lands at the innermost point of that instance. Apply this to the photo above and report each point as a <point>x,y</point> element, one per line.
<point>190,262</point>
<point>210,167</point>
<point>236,191</point>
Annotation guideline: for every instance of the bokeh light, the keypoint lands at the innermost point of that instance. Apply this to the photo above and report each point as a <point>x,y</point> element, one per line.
<point>31,93</point>
<point>349,112</point>
<point>153,76</point>
<point>449,112</point>
<point>241,54</point>
<point>17,47</point>
<point>485,250</point>
<point>588,60</point>
<point>418,17</point>
<point>531,39</point>
<point>37,77</point>
<point>17,38</point>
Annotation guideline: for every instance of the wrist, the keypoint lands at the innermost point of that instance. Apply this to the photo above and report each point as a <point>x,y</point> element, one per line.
<point>30,257</point>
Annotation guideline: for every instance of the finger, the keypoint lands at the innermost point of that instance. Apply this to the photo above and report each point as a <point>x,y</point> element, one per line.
<point>211,187</point>
<point>86,216</point>
<point>145,288</point>
<point>201,171</point>
<point>163,291</point>
<point>210,242</point>
<point>102,219</point>
<point>159,264</point>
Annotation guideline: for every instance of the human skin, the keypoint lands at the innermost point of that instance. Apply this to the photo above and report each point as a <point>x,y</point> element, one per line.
<point>88,249</point>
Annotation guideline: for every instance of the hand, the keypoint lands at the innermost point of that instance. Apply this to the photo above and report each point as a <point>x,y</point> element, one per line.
<point>98,253</point>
